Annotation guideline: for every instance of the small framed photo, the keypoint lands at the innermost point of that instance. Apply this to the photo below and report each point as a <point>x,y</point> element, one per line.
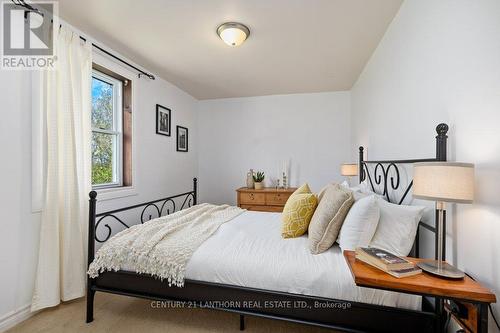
<point>163,120</point>
<point>182,139</point>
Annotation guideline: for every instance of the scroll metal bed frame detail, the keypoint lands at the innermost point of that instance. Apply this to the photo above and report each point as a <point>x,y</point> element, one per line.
<point>324,312</point>
<point>160,205</point>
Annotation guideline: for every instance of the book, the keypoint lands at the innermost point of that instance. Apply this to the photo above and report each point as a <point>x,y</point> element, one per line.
<point>382,259</point>
<point>399,273</point>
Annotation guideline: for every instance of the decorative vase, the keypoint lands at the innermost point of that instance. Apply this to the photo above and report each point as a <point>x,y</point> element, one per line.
<point>259,185</point>
<point>250,181</point>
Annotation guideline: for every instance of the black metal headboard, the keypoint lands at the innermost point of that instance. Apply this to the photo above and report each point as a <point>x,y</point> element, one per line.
<point>384,181</point>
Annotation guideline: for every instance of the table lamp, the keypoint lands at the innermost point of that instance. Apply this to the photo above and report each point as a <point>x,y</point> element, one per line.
<point>443,182</point>
<point>348,170</point>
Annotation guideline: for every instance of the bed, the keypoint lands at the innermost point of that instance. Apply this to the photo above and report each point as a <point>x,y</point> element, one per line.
<point>244,270</point>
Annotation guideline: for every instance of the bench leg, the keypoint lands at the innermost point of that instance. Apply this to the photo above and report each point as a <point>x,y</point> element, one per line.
<point>242,322</point>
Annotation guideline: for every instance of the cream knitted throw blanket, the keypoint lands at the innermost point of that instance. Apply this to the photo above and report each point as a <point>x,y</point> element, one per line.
<point>163,246</point>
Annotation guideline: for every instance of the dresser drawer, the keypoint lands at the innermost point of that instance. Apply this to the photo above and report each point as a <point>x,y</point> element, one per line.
<point>277,199</point>
<point>272,209</point>
<point>252,198</point>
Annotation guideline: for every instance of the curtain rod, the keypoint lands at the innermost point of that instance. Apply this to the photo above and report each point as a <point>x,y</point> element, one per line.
<point>30,8</point>
<point>151,76</point>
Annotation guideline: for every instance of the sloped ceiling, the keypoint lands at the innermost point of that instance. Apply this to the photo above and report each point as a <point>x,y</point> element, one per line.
<point>295,46</point>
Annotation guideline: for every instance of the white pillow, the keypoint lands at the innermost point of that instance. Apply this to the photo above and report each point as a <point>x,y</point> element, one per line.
<point>361,195</point>
<point>361,190</point>
<point>397,227</point>
<point>361,187</point>
<point>360,224</point>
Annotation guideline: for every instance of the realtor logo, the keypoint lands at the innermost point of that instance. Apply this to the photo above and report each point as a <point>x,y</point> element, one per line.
<point>27,35</point>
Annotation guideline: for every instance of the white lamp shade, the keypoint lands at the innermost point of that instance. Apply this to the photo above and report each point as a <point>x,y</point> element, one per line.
<point>444,181</point>
<point>349,169</point>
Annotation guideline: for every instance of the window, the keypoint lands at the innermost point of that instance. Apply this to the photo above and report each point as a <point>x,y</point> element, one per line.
<point>107,131</point>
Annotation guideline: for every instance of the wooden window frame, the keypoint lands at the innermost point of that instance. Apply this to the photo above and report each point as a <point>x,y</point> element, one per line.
<point>126,127</point>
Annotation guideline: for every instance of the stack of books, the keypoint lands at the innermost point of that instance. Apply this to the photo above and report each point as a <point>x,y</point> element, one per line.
<point>387,262</point>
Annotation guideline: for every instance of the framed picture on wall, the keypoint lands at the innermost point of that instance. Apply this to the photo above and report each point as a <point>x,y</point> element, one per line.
<point>163,120</point>
<point>182,139</point>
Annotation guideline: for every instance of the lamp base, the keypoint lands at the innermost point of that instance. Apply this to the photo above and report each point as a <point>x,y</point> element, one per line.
<point>444,270</point>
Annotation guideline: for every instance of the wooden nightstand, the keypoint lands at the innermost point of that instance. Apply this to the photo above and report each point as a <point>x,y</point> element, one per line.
<point>268,199</point>
<point>465,290</point>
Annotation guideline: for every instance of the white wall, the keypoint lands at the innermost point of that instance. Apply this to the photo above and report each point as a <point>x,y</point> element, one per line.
<point>311,131</point>
<point>159,171</point>
<point>439,61</point>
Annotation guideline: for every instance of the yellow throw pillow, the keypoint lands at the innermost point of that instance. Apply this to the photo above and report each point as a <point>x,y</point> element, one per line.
<point>297,212</point>
<point>304,189</point>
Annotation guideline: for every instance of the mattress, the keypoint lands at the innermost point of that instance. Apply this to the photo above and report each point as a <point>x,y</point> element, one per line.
<point>250,252</point>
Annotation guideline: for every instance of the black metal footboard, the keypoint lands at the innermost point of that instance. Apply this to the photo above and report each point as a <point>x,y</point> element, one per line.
<point>110,219</point>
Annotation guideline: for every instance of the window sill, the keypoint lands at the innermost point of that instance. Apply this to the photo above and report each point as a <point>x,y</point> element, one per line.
<point>104,194</point>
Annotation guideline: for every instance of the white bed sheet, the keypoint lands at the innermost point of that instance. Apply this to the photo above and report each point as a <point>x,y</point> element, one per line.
<point>249,251</point>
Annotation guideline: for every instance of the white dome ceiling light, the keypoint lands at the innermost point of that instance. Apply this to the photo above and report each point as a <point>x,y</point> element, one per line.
<point>232,33</point>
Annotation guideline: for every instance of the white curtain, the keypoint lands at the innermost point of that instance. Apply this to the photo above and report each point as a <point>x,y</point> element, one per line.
<point>66,109</point>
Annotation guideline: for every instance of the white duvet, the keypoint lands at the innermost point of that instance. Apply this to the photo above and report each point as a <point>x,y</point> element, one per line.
<point>249,251</point>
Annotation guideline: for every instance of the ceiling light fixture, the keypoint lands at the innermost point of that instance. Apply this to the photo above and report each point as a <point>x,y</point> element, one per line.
<point>232,33</point>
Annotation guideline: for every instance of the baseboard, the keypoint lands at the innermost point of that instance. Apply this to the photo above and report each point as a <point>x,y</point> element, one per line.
<point>15,317</point>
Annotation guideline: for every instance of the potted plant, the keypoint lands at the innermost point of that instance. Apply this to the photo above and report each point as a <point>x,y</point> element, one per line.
<point>258,179</point>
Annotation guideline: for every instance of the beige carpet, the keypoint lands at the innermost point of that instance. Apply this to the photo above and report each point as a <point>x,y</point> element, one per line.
<point>122,314</point>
